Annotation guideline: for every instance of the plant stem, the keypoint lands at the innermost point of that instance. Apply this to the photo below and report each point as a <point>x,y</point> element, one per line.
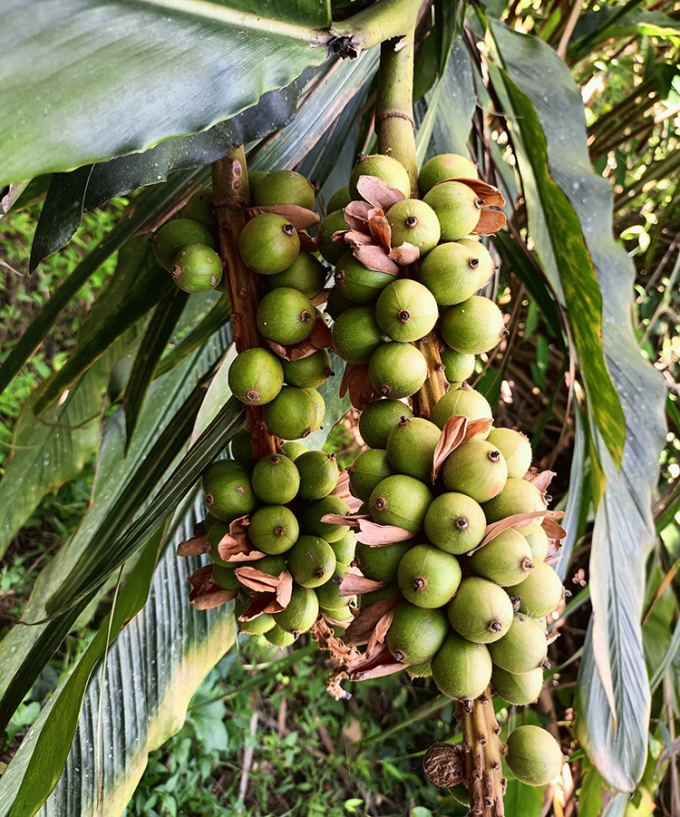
<point>485,780</point>
<point>375,24</point>
<point>231,198</point>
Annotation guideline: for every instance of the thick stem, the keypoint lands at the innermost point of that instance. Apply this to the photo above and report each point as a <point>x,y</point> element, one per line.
<point>230,199</point>
<point>375,24</point>
<point>436,385</point>
<point>485,780</point>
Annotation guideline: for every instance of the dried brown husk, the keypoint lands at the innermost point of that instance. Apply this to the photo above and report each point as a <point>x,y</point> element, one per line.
<point>235,546</point>
<point>405,254</point>
<point>319,338</point>
<point>453,434</point>
<point>360,630</point>
<point>300,217</point>
<point>356,383</point>
<point>517,521</point>
<point>378,193</point>
<point>375,258</point>
<point>379,633</point>
<point>194,547</point>
<point>206,593</point>
<point>381,663</point>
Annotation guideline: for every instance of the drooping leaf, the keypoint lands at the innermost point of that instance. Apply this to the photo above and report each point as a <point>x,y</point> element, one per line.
<point>594,27</point>
<point>577,497</point>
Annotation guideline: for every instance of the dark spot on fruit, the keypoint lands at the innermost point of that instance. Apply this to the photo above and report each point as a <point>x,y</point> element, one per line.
<point>527,564</point>
<point>274,459</point>
<point>398,655</point>
<point>288,229</point>
<point>339,276</point>
<point>240,489</point>
<point>209,499</point>
<point>494,456</point>
<point>305,317</point>
<point>411,221</point>
<point>175,271</point>
<point>404,316</point>
<point>337,580</point>
<point>319,573</point>
<point>385,390</point>
<point>252,395</point>
<point>473,263</point>
<point>547,499</point>
<point>381,503</point>
<point>494,627</point>
<point>296,634</point>
<point>419,584</point>
<point>479,203</point>
<point>516,601</point>
<point>404,421</point>
<point>462,523</point>
<point>279,530</point>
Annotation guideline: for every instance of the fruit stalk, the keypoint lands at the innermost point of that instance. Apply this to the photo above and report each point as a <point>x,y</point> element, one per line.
<point>230,200</point>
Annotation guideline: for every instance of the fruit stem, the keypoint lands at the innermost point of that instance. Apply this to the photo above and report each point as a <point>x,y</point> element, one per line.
<point>436,386</point>
<point>230,199</point>
<point>373,25</point>
<point>485,781</point>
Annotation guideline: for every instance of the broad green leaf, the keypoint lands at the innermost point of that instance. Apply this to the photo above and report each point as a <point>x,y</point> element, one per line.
<point>594,27</point>
<point>590,793</point>
<point>523,801</point>
<point>577,497</point>
<point>59,62</point>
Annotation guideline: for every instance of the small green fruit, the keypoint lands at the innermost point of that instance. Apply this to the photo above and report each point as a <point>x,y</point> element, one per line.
<point>338,613</point>
<point>406,310</point>
<point>381,563</point>
<point>473,327</point>
<point>306,273</point>
<point>533,755</point>
<point>390,591</point>
<point>356,334</point>
<point>225,577</point>
<point>272,565</point>
<point>196,269</point>
<point>487,268</point>
<point>273,529</point>
<point>480,611</point>
<point>301,612</point>
<point>330,250</point>
<point>344,548</point>
<point>329,593</point>
<point>254,178</point>
<point>457,208</point>
<point>461,669</point>
<point>518,496</point>
<point>311,561</point>
<point>421,670</point>
<point>268,244</point>
<point>540,592</point>
<point>200,208</point>
<point>284,187</point>
<point>311,515</point>
<point>515,448</point>
<point>397,370</point>
<point>242,448</point>
<point>291,415</point>
<point>519,690</point>
<point>285,316</point>
<point>256,377</point>
<point>358,283</point>
<point>505,560</point>
<point>214,536</point>
<point>402,501</point>
<point>177,234</point>
<point>279,637</point>
<point>455,523</point>
<point>318,474</point>
<point>523,648</point>
<point>442,168</point>
<point>416,634</point>
<point>308,372</point>
<point>475,468</point>
<point>428,577</point>
<point>341,198</point>
<point>414,222</point>
<point>319,407</point>
<point>368,470</point>
<point>385,168</point>
<point>411,446</point>
<point>293,450</point>
<point>379,418</point>
<point>275,480</point>
<point>538,542</point>
<point>257,626</point>
<point>227,491</point>
<point>451,273</point>
<point>464,401</point>
<point>337,303</point>
<point>458,366</point>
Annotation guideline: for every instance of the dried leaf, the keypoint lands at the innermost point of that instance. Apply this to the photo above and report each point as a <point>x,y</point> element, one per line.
<point>321,298</point>
<point>200,528</point>
<point>490,195</point>
<point>490,221</point>
<point>320,338</point>
<point>519,520</point>
<point>213,599</point>
<point>299,217</point>
<point>552,638</point>
<point>476,427</point>
<point>542,480</point>
<point>333,687</point>
<point>381,663</point>
<point>379,633</point>
<point>323,634</point>
<point>342,491</point>
<point>381,231</point>
<point>338,236</point>
<point>359,631</point>
<point>378,193</point>
<point>194,547</point>
<point>375,535</point>
<point>206,593</point>
<point>340,519</point>
<point>356,239</point>
<point>453,434</point>
<point>235,546</point>
<point>355,380</point>
<point>354,585</point>
<point>307,243</point>
<point>356,215</point>
<point>375,258</point>
<point>405,254</point>
<point>552,529</point>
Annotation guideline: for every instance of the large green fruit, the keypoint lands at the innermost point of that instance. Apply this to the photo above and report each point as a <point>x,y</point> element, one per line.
<point>416,634</point>
<point>414,222</point>
<point>329,593</point>
<point>285,316</point>
<point>196,268</point>
<point>318,474</point>
<point>227,491</point>
<point>515,448</point>
<point>356,334</point>
<point>176,234</point>
<point>487,268</point>
<point>473,327</point>
<point>200,208</point>
<point>461,669</point>
<point>385,168</point>
<point>381,563</point>
<point>257,626</point>
<point>279,637</point>
<point>451,273</point>
<point>341,198</point>
<point>293,450</point>
<point>344,548</point>
<point>475,468</point>
<point>358,283</point>
<point>411,446</point>
<point>319,407</point>
<point>275,480</point>
<point>379,418</point>
<point>311,561</point>
<point>421,670</point>
<point>225,577</point>
<point>397,370</point>
<point>442,168</point>
<point>533,755</point>
<point>480,611</point>
<point>455,523</point>
<point>505,560</point>
<point>523,648</point>
<point>337,303</point>
<point>291,415</point>
<point>301,612</point>
<point>330,250</point>
<point>368,470</point>
<point>242,448</point>
<point>457,207</point>
<point>306,273</point>
<point>540,592</point>
<point>254,178</point>
<point>400,500</point>
<point>538,542</point>
<point>518,689</point>
<point>256,377</point>
<point>269,244</point>
<point>428,577</point>
<point>308,372</point>
<point>273,529</point>
<point>406,310</point>
<point>458,367</point>
<point>518,496</point>
<point>465,402</point>
<point>284,187</point>
<point>311,515</point>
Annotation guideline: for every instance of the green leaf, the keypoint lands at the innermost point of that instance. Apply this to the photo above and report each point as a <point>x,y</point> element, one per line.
<point>578,497</point>
<point>593,27</point>
<point>523,801</point>
<point>84,52</point>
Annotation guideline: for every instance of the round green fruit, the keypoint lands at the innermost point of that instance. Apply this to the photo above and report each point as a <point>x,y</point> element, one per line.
<point>533,755</point>
<point>285,316</point>
<point>341,198</point>
<point>505,560</point>
<point>227,491</point>
<point>330,250</point>
<point>451,273</point>
<point>487,268</point>
<point>406,310</point>
<point>443,168</point>
<point>356,334</point>
<point>538,542</point>
<point>214,537</point>
<point>242,448</point>
<point>311,515</point>
<point>339,614</point>
<point>379,418</point>
<point>381,563</point>
<point>464,401</point>
<point>196,268</point>
<point>257,626</point>
<point>225,577</point>
<point>279,637</point>
<point>344,548</point>
<point>390,591</point>
<point>275,480</point>
<point>428,577</point>
<point>458,367</point>
<point>254,178</point>
<point>311,561</point>
<point>337,303</point>
<point>200,208</point>
<point>306,274</point>
<point>480,611</point>
<point>475,468</point>
<point>308,372</point>
<point>455,523</point>
<point>293,450</point>
<point>385,168</point>
<point>518,496</point>
<point>301,612</point>
<point>523,648</point>
<point>368,470</point>
<point>515,448</point>
<point>421,670</point>
<point>256,377</point>
<point>457,207</point>
<point>291,415</point>
<point>400,500</point>
<point>414,222</point>
<point>319,407</point>
<point>358,283</point>
<point>411,446</point>
<point>540,592</point>
<point>268,244</point>
<point>318,474</point>
<point>416,633</point>
<point>329,593</point>
<point>273,529</point>
<point>521,689</point>
<point>461,669</point>
<point>284,187</point>
<point>473,327</point>
<point>174,235</point>
<point>397,370</point>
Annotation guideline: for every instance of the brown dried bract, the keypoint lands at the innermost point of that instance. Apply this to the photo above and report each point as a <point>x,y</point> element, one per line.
<point>552,529</point>
<point>307,243</point>
<point>356,382</point>
<point>235,546</point>
<point>344,519</point>
<point>490,195</point>
<point>541,480</point>
<point>360,630</point>
<point>475,427</point>
<point>381,663</point>
<point>490,221</point>
<point>333,687</point>
<point>353,584</point>
<point>378,193</point>
<point>375,258</point>
<point>354,238</point>
<point>194,547</point>
<point>260,582</point>
<point>320,338</point>
<point>519,520</point>
<point>405,254</point>
<point>453,434</point>
<point>379,633</point>
<point>357,214</point>
<point>200,528</point>
<point>299,217</point>
<point>381,231</point>
<point>206,594</point>
<point>375,535</point>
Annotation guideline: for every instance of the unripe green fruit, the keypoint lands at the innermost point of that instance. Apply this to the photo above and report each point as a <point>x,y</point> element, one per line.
<point>337,303</point>
<point>533,755</point>
<point>213,537</point>
<point>458,367</point>
<point>308,372</point>
<point>319,407</point>
<point>225,577</point>
<point>505,560</point>
<point>406,310</point>
<point>329,593</point>
<point>227,491</point>
<point>520,689</point>
<point>444,167</point>
<point>291,415</point>
<point>523,648</point>
<point>284,187</point>
<point>275,480</point>
<point>368,470</point>
<point>177,234</point>
<point>473,327</point>
<point>293,450</point>
<point>311,515</point>
<point>475,468</point>
<point>410,447</point>
<point>242,448</point>
<point>451,273</point>
<point>256,377</point>
<point>257,626</point>
<point>457,207</point>
<point>311,561</point>
<point>487,268</point>
<point>414,222</point>
<point>428,577</point>
<point>421,670</point>
<point>254,178</point>
<point>330,250</point>
<point>356,334</point>
<point>341,198</point>
<point>400,500</point>
<point>279,637</point>
<point>344,548</point>
<point>358,283</point>
<point>390,591</point>
<point>273,529</point>
<point>301,612</point>
<point>540,592</point>
<point>318,474</point>
<point>306,274</point>
<point>416,634</point>
<point>196,268</point>
<point>455,523</point>
<point>285,316</point>
<point>518,496</point>
<point>461,669</point>
<point>397,370</point>
<point>538,542</point>
<point>338,613</point>
<point>385,168</point>
<point>466,402</point>
<point>268,244</point>
<point>515,448</point>
<point>379,418</point>
<point>210,521</point>
<point>381,563</point>
<point>200,208</point>
<point>480,611</point>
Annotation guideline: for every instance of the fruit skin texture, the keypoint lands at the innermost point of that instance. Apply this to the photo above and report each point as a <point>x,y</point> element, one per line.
<point>291,415</point>
<point>176,234</point>
<point>381,563</point>
<point>368,470</point>
<point>344,548</point>
<point>227,491</point>
<point>341,198</point>
<point>319,407</point>
<point>306,273</point>
<point>285,316</point>
<point>356,334</point>
<point>428,577</point>
<point>397,370</point>
<point>358,283</point>
<point>487,268</point>
<point>225,577</point>
<point>284,187</point>
<point>329,592</point>
<point>318,474</point>
<point>279,637</point>
<point>472,327</point>
<point>301,613</point>
<point>455,523</point>
<point>242,448</point>
<point>538,542</point>
<point>257,626</point>
<point>515,448</point>
<point>521,689</point>
<point>467,402</point>
<point>414,222</point>
<point>200,208</point>
<point>310,519</point>
<point>410,447</point>
<point>451,273</point>
<point>385,168</point>
<point>400,500</point>
<point>461,669</point>
<point>443,167</point>
<point>406,310</point>
<point>475,468</point>
<point>329,249</point>
<point>273,529</point>
<point>337,303</point>
<point>311,561</point>
<point>533,755</point>
<point>379,418</point>
<point>458,367</point>
<point>540,592</point>
<point>275,479</point>
<point>268,244</point>
<point>415,634</point>
<point>518,496</point>
<point>254,178</point>
<point>456,207</point>
<point>293,450</point>
<point>480,611</point>
<point>256,377</point>
<point>523,648</point>
<point>196,268</point>
<point>504,559</point>
<point>308,372</point>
